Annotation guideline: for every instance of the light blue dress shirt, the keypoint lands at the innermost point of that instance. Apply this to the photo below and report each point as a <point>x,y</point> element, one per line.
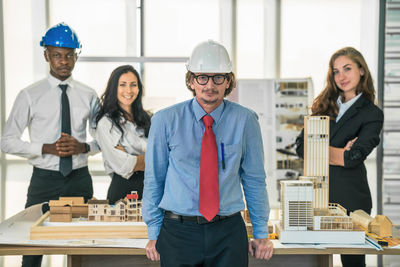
<point>343,107</point>
<point>173,164</point>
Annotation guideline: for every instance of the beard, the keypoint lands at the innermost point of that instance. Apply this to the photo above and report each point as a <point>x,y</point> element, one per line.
<point>209,102</point>
<point>213,101</point>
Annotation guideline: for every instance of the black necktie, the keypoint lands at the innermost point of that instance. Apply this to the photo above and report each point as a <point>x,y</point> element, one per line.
<point>65,162</point>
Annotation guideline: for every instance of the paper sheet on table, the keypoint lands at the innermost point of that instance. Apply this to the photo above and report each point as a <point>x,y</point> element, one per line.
<point>278,244</point>
<point>16,231</point>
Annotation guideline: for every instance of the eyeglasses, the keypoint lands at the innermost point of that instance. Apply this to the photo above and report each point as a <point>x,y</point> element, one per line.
<point>218,79</point>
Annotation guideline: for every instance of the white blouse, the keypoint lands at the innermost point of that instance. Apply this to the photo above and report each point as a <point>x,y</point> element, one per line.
<point>343,107</point>
<point>134,142</point>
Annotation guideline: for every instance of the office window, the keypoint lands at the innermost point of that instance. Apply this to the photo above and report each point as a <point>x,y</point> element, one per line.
<point>311,31</point>
<point>172,28</point>
<point>250,40</point>
<point>105,28</point>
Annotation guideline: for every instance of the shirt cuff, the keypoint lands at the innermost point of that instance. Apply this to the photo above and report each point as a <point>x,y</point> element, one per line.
<point>94,148</point>
<point>153,232</point>
<point>36,149</point>
<point>127,168</point>
<point>260,232</point>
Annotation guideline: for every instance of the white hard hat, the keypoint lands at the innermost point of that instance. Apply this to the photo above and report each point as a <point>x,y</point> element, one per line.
<point>209,57</point>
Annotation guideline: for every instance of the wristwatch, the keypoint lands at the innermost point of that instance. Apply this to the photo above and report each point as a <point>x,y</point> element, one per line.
<point>87,147</point>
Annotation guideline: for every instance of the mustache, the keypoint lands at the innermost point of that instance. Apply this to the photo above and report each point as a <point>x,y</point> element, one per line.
<point>209,91</point>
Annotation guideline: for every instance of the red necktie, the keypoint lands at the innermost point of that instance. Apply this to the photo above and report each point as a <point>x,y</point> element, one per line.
<point>209,194</point>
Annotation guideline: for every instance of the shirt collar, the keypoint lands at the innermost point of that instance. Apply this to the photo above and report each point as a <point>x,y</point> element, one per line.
<point>199,111</point>
<point>54,82</point>
<point>348,103</point>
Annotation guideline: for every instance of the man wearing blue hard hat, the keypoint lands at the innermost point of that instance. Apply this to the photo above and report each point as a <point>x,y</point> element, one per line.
<point>56,110</point>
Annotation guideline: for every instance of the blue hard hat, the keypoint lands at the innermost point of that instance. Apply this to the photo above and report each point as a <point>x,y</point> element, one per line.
<point>61,35</point>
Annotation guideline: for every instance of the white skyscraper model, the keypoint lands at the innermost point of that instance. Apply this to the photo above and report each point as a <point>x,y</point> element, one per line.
<point>306,214</point>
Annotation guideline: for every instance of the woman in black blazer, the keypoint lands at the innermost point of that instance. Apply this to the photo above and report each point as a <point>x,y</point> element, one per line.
<point>355,125</point>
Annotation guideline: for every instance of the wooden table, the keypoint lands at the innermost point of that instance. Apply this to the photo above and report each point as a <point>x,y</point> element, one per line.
<point>95,256</point>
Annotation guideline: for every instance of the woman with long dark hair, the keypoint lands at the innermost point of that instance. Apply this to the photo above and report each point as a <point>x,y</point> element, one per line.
<point>121,132</point>
<point>355,124</point>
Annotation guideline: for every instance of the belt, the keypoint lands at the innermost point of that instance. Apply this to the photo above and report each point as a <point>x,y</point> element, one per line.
<point>82,170</point>
<point>197,219</point>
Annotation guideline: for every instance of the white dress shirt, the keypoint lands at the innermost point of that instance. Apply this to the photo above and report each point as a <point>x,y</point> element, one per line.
<point>133,140</point>
<point>343,107</point>
<point>38,107</point>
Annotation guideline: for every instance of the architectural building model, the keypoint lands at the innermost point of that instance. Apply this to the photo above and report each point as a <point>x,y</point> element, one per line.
<point>306,214</point>
<point>66,208</point>
<point>124,210</point>
<point>128,209</point>
<point>381,225</point>
<point>101,220</point>
<point>60,211</point>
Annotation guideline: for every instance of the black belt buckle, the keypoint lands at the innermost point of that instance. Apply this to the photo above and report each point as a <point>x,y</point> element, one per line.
<point>202,220</point>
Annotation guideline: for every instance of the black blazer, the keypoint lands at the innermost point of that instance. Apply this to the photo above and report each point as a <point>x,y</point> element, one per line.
<point>348,185</point>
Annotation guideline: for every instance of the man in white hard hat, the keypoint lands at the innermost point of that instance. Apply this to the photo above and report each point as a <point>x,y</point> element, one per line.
<point>200,155</point>
<point>57,111</point>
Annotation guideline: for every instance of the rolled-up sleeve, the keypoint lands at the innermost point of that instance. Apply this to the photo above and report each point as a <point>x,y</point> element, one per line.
<point>368,139</point>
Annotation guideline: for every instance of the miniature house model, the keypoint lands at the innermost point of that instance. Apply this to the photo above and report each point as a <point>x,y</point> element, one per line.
<point>306,214</point>
<point>116,212</point>
<point>381,225</point>
<point>60,211</point>
<point>66,208</point>
<point>128,209</point>
<point>133,208</point>
<point>97,209</point>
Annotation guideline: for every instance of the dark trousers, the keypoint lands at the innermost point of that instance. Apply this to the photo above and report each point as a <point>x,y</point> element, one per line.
<point>120,186</point>
<point>218,244</point>
<point>48,185</point>
<point>353,260</point>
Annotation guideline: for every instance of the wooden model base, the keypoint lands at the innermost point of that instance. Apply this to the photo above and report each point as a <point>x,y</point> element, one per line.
<point>78,230</point>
